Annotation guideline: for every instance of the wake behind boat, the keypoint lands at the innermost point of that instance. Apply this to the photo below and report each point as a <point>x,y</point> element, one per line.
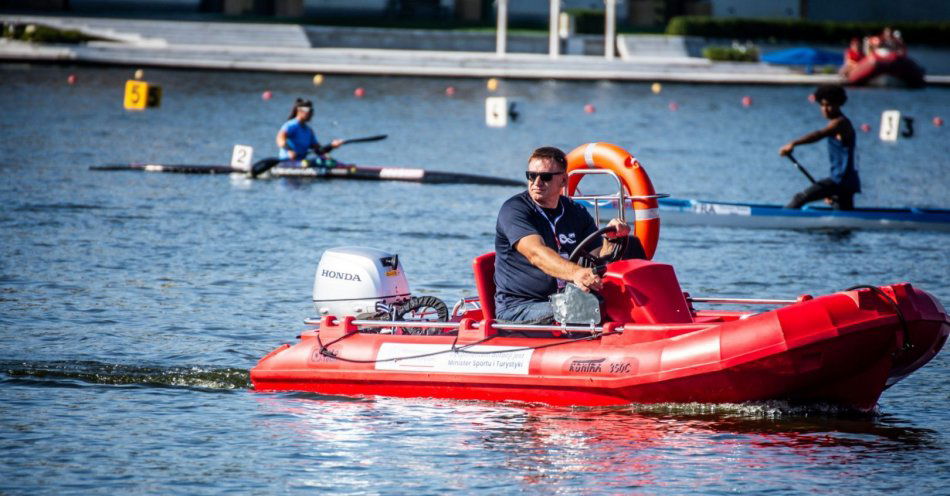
<point>291,169</point>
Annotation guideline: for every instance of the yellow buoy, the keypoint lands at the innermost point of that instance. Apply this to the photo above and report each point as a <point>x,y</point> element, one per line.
<point>492,84</point>
<point>656,88</point>
<point>139,74</point>
<point>318,80</point>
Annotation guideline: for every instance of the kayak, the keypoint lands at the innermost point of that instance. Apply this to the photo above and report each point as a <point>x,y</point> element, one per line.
<point>677,211</point>
<point>172,168</point>
<point>645,342</point>
<point>347,171</point>
<point>691,212</point>
<point>335,171</point>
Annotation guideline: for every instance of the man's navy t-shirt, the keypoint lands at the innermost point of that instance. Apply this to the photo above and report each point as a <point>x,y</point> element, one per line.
<point>516,280</point>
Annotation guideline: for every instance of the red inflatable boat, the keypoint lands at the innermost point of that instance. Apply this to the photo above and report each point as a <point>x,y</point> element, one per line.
<point>880,69</point>
<point>648,344</point>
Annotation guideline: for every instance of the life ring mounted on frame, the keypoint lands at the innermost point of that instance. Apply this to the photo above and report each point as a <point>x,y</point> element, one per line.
<point>633,177</point>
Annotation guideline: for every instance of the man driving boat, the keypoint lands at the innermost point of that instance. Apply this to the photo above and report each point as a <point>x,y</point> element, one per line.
<point>535,233</point>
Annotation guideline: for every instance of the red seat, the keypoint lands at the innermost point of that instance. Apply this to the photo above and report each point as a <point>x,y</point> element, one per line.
<point>484,268</point>
<point>644,292</point>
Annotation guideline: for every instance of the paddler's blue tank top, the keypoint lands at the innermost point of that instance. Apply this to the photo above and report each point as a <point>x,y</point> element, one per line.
<point>844,172</point>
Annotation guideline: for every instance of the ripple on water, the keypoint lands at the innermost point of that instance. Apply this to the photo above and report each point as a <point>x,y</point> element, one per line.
<point>187,270</point>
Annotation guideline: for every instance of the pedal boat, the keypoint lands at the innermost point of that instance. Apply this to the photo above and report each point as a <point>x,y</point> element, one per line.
<point>651,346</point>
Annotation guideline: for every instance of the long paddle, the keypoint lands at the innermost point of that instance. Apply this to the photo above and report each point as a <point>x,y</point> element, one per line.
<point>267,164</point>
<point>801,168</point>
<point>378,137</point>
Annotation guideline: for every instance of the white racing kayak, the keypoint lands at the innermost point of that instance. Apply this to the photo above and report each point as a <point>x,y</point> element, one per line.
<point>335,171</point>
<point>691,212</point>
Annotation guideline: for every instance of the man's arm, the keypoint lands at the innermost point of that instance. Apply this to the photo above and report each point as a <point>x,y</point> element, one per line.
<point>546,259</point>
<point>830,130</point>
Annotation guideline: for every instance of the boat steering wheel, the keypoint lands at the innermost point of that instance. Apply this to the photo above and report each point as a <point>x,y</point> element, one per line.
<point>582,254</point>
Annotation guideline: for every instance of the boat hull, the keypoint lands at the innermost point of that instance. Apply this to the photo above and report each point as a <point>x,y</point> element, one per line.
<point>347,171</point>
<point>338,171</point>
<point>839,349</point>
<point>690,212</point>
<point>898,68</point>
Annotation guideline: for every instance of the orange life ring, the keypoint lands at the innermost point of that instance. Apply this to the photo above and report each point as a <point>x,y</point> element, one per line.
<point>635,181</point>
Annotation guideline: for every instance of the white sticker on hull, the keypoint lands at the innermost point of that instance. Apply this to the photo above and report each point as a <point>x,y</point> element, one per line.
<point>720,209</point>
<point>302,172</point>
<point>475,362</point>
<point>397,173</point>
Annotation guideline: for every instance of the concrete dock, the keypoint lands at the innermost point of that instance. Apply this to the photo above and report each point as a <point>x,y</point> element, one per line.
<point>296,48</point>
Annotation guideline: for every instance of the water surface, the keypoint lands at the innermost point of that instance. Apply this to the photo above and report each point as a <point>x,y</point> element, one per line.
<point>132,304</point>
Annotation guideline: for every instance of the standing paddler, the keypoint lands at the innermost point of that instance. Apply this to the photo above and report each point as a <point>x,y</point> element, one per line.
<point>295,138</point>
<point>843,182</point>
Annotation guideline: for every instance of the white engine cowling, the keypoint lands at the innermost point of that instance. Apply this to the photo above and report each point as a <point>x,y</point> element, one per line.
<point>351,280</point>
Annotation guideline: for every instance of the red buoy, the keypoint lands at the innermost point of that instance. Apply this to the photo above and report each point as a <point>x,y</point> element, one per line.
<point>266,95</point>
<point>938,121</point>
<point>747,101</point>
<point>450,91</point>
<point>866,127</point>
<point>674,106</point>
<point>359,92</point>
<point>589,108</point>
<point>811,97</point>
<point>71,79</point>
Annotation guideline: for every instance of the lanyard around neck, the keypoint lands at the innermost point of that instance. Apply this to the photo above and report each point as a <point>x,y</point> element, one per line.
<point>553,224</point>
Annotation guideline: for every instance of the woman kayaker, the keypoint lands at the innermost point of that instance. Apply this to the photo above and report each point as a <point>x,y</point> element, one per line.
<point>295,138</point>
<point>838,190</point>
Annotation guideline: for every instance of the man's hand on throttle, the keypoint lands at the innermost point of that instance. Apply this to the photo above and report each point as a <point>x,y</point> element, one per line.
<point>586,279</point>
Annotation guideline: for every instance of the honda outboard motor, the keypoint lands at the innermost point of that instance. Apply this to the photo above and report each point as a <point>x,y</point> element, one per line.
<point>352,280</point>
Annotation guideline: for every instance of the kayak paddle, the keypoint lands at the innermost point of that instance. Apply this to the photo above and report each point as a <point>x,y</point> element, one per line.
<point>801,168</point>
<point>378,137</point>
<point>267,164</point>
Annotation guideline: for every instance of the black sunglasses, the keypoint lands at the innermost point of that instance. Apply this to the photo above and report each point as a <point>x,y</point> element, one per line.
<point>545,176</point>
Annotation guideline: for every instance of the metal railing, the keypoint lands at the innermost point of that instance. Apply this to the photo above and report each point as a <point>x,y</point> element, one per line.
<point>619,197</point>
<point>593,329</point>
<point>750,301</point>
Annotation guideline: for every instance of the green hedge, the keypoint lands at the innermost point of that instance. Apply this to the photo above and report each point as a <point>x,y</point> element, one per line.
<point>731,54</point>
<point>914,33</point>
<point>587,21</point>
<point>43,34</point>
